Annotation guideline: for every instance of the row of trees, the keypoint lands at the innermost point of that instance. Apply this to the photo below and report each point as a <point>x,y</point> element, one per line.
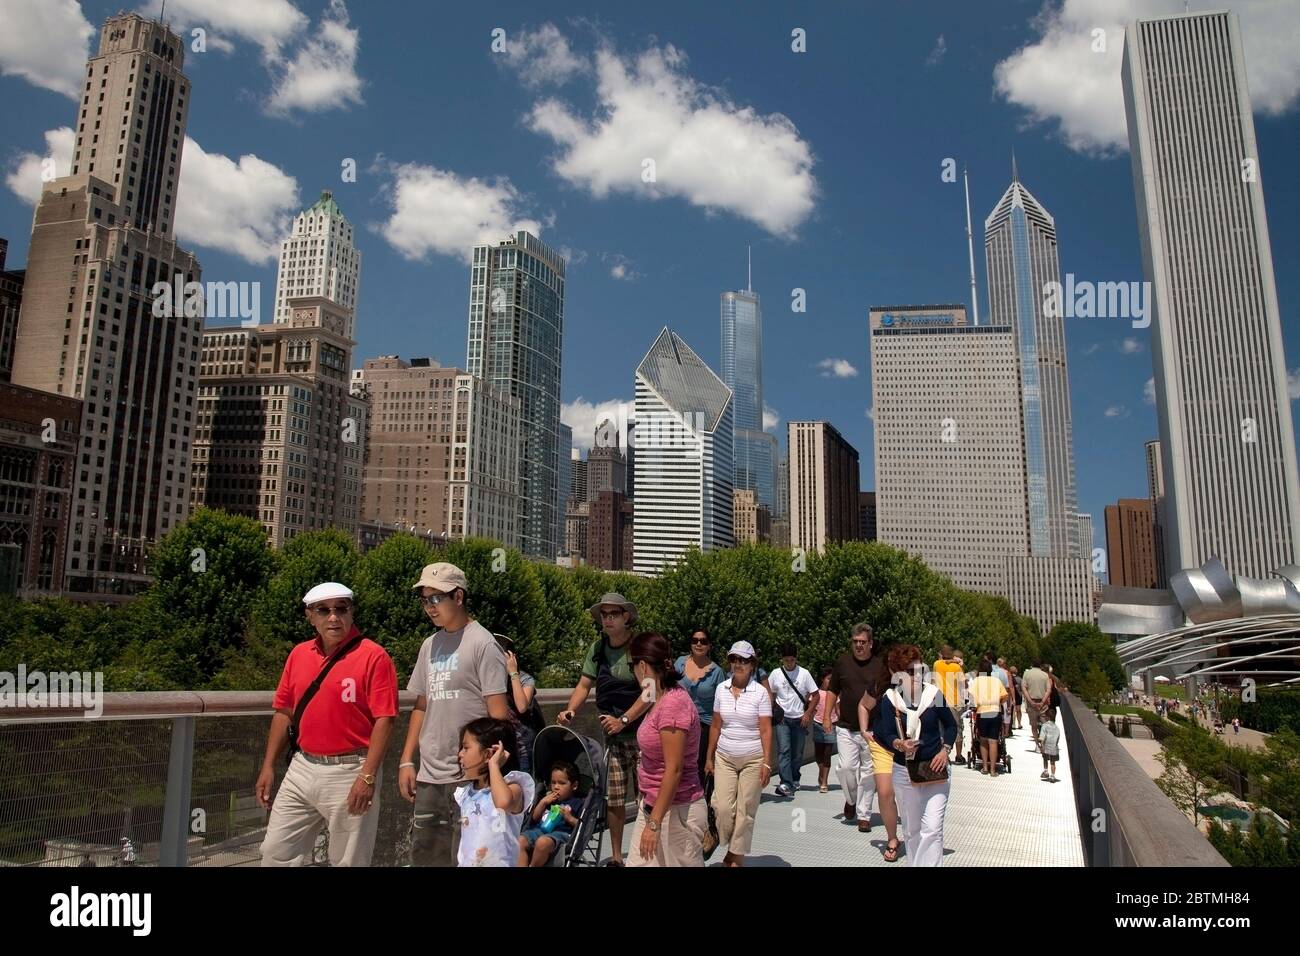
<point>225,609</point>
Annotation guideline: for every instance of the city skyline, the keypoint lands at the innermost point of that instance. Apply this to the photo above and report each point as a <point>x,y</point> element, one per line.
<point>639,280</point>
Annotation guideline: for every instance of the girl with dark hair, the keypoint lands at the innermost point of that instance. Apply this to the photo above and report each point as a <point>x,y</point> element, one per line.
<point>672,821</point>
<point>824,740</point>
<point>492,804</point>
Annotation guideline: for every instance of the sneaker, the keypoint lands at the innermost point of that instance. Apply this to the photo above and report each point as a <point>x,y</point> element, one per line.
<point>1045,776</point>
<point>783,791</point>
<point>850,812</point>
<point>1053,779</point>
<point>961,760</point>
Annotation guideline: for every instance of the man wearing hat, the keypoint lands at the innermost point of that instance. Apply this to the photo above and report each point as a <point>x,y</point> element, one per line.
<point>460,676</point>
<point>621,705</point>
<point>342,722</point>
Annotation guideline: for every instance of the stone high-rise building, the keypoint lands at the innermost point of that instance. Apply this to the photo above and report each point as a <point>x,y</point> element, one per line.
<point>1227,440</point>
<point>442,456</point>
<point>823,486</point>
<point>752,520</point>
<point>319,259</point>
<point>867,516</point>
<point>610,532</point>
<point>102,243</point>
<point>1131,543</point>
<point>11,302</point>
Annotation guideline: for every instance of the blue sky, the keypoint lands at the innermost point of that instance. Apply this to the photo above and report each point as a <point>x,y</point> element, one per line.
<point>827,162</point>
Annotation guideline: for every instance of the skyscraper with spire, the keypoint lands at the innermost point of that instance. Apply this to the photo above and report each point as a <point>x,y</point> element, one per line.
<point>1021,257</point>
<point>755,450</point>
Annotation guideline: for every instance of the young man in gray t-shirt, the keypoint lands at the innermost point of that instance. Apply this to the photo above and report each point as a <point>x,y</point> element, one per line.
<point>459,675</point>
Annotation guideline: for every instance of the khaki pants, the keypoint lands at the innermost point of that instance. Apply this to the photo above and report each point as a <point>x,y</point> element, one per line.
<point>313,796</point>
<point>736,792</point>
<point>681,837</point>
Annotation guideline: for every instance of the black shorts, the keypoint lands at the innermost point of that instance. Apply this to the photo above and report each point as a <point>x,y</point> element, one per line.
<point>990,727</point>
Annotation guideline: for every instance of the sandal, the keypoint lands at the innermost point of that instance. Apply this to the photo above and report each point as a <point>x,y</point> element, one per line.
<point>891,851</point>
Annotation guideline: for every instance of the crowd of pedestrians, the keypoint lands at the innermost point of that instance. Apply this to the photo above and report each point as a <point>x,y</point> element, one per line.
<point>688,740</point>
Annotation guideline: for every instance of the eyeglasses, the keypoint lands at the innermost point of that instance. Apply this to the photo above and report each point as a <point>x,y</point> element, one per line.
<point>619,613</point>
<point>864,641</point>
<point>324,610</point>
<point>433,600</point>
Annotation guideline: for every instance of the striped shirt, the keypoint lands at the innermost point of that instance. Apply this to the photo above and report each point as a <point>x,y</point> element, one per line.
<point>740,736</point>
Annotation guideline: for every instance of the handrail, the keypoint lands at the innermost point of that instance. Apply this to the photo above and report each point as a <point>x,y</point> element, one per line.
<point>1138,825</point>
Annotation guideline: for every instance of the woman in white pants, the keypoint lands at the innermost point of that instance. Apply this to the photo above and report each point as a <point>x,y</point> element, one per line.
<point>915,723</point>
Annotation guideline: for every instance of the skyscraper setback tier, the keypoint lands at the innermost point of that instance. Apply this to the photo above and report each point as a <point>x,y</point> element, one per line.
<point>516,336</point>
<point>318,259</point>
<point>1227,442</point>
<point>742,369</point>
<point>102,237</point>
<point>1021,254</point>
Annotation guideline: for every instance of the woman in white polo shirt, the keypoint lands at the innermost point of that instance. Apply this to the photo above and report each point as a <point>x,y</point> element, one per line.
<point>740,752</point>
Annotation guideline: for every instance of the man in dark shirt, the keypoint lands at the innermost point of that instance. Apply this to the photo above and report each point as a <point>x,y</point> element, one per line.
<point>856,676</point>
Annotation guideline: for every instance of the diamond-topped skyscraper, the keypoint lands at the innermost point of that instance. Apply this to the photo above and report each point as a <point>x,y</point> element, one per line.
<point>756,451</point>
<point>1227,444</point>
<point>1022,258</point>
<point>516,335</point>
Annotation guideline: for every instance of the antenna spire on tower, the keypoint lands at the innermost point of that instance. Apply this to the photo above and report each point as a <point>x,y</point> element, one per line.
<point>970,247</point>
<point>1015,173</point>
<point>749,285</point>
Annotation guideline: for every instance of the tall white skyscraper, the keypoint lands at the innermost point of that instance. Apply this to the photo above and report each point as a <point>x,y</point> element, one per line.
<point>1021,255</point>
<point>1226,434</point>
<point>319,259</point>
<point>683,464</point>
<point>742,369</point>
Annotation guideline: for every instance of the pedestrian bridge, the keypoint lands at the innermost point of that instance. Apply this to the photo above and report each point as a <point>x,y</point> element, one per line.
<point>173,773</point>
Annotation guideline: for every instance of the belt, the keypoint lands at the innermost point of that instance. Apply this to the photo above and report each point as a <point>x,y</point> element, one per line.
<point>355,756</point>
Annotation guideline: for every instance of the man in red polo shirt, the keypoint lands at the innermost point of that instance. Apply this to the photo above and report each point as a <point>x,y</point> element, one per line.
<point>342,735</point>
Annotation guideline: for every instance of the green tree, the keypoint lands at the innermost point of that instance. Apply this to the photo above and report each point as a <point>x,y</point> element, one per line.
<point>1192,764</point>
<point>209,571</point>
<point>504,595</point>
<point>1221,840</point>
<point>1264,843</point>
<point>555,651</point>
<point>388,609</point>
<point>308,559</point>
<point>1072,648</point>
<point>1094,687</point>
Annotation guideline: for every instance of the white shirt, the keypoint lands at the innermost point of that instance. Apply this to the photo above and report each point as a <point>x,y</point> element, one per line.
<point>489,836</point>
<point>740,736</point>
<point>786,698</point>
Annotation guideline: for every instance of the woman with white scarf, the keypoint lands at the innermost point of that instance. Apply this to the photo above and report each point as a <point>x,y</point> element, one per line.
<point>916,724</point>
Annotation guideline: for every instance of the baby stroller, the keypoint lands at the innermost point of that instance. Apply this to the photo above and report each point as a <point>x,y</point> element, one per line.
<point>561,743</point>
<point>976,761</point>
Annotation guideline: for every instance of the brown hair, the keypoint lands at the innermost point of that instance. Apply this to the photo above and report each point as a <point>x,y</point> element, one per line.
<point>657,651</point>
<point>902,656</point>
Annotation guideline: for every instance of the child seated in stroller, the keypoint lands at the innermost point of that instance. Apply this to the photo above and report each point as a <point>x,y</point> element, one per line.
<point>553,818</point>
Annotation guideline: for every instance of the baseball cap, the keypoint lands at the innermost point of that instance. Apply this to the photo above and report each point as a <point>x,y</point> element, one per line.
<point>742,649</point>
<point>442,577</point>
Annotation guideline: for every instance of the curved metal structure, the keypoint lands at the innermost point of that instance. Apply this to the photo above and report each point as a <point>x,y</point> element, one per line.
<point>1265,648</point>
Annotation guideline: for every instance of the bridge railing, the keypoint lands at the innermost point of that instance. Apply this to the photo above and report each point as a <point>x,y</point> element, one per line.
<point>1124,818</point>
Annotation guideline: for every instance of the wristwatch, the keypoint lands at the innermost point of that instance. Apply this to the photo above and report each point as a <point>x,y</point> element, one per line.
<point>369,779</point>
<point>623,718</point>
<point>654,827</point>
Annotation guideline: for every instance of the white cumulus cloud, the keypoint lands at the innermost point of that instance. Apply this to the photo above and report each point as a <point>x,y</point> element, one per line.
<point>771,417</point>
<point>1117,411</point>
<point>656,132</point>
<point>1293,384</point>
<point>871,412</point>
<point>1130,346</point>
<point>583,417</point>
<point>542,56</point>
<point>937,54</point>
<point>1149,391</point>
<point>323,73</point>
<point>436,211</point>
<point>241,207</point>
<point>27,172</point>
<point>1060,81</point>
<point>268,23</point>
<point>46,43</point>
<point>837,367</point>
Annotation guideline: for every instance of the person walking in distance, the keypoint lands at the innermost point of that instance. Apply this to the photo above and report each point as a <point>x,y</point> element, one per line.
<point>459,677</point>
<point>951,680</point>
<point>1037,687</point>
<point>823,740</point>
<point>335,706</point>
<point>855,675</point>
<point>796,696</point>
<point>608,670</point>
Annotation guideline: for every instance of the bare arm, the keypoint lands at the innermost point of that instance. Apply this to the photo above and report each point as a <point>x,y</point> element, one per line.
<point>765,735</point>
<point>506,796</point>
<point>715,732</point>
<point>832,699</point>
<point>383,729</point>
<point>576,699</point>
<point>276,742</point>
<point>497,707</point>
<point>413,730</point>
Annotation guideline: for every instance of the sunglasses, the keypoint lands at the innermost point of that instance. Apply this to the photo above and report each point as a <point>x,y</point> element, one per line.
<point>618,613</point>
<point>433,600</point>
<point>700,640</point>
<point>325,610</point>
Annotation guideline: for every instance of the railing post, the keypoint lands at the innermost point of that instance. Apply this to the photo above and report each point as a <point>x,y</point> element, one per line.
<point>176,805</point>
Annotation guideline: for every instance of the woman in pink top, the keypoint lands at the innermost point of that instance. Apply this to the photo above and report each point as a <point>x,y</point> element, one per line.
<point>823,742</point>
<point>673,820</point>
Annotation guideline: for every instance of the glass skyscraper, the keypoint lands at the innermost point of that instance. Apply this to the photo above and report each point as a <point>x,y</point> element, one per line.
<point>755,451</point>
<point>516,332</point>
<point>1021,255</point>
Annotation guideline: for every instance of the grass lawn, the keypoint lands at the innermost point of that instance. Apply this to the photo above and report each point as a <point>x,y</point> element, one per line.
<point>1171,691</point>
<point>1116,709</point>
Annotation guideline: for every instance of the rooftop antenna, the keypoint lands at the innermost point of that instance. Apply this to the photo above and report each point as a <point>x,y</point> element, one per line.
<point>970,247</point>
<point>749,285</point>
<point>1015,173</point>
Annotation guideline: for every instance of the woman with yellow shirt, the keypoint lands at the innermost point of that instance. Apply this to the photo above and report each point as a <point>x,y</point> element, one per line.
<point>987,694</point>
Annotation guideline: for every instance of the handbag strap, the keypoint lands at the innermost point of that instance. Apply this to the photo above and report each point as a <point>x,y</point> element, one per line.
<point>315,685</point>
<point>790,683</point>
